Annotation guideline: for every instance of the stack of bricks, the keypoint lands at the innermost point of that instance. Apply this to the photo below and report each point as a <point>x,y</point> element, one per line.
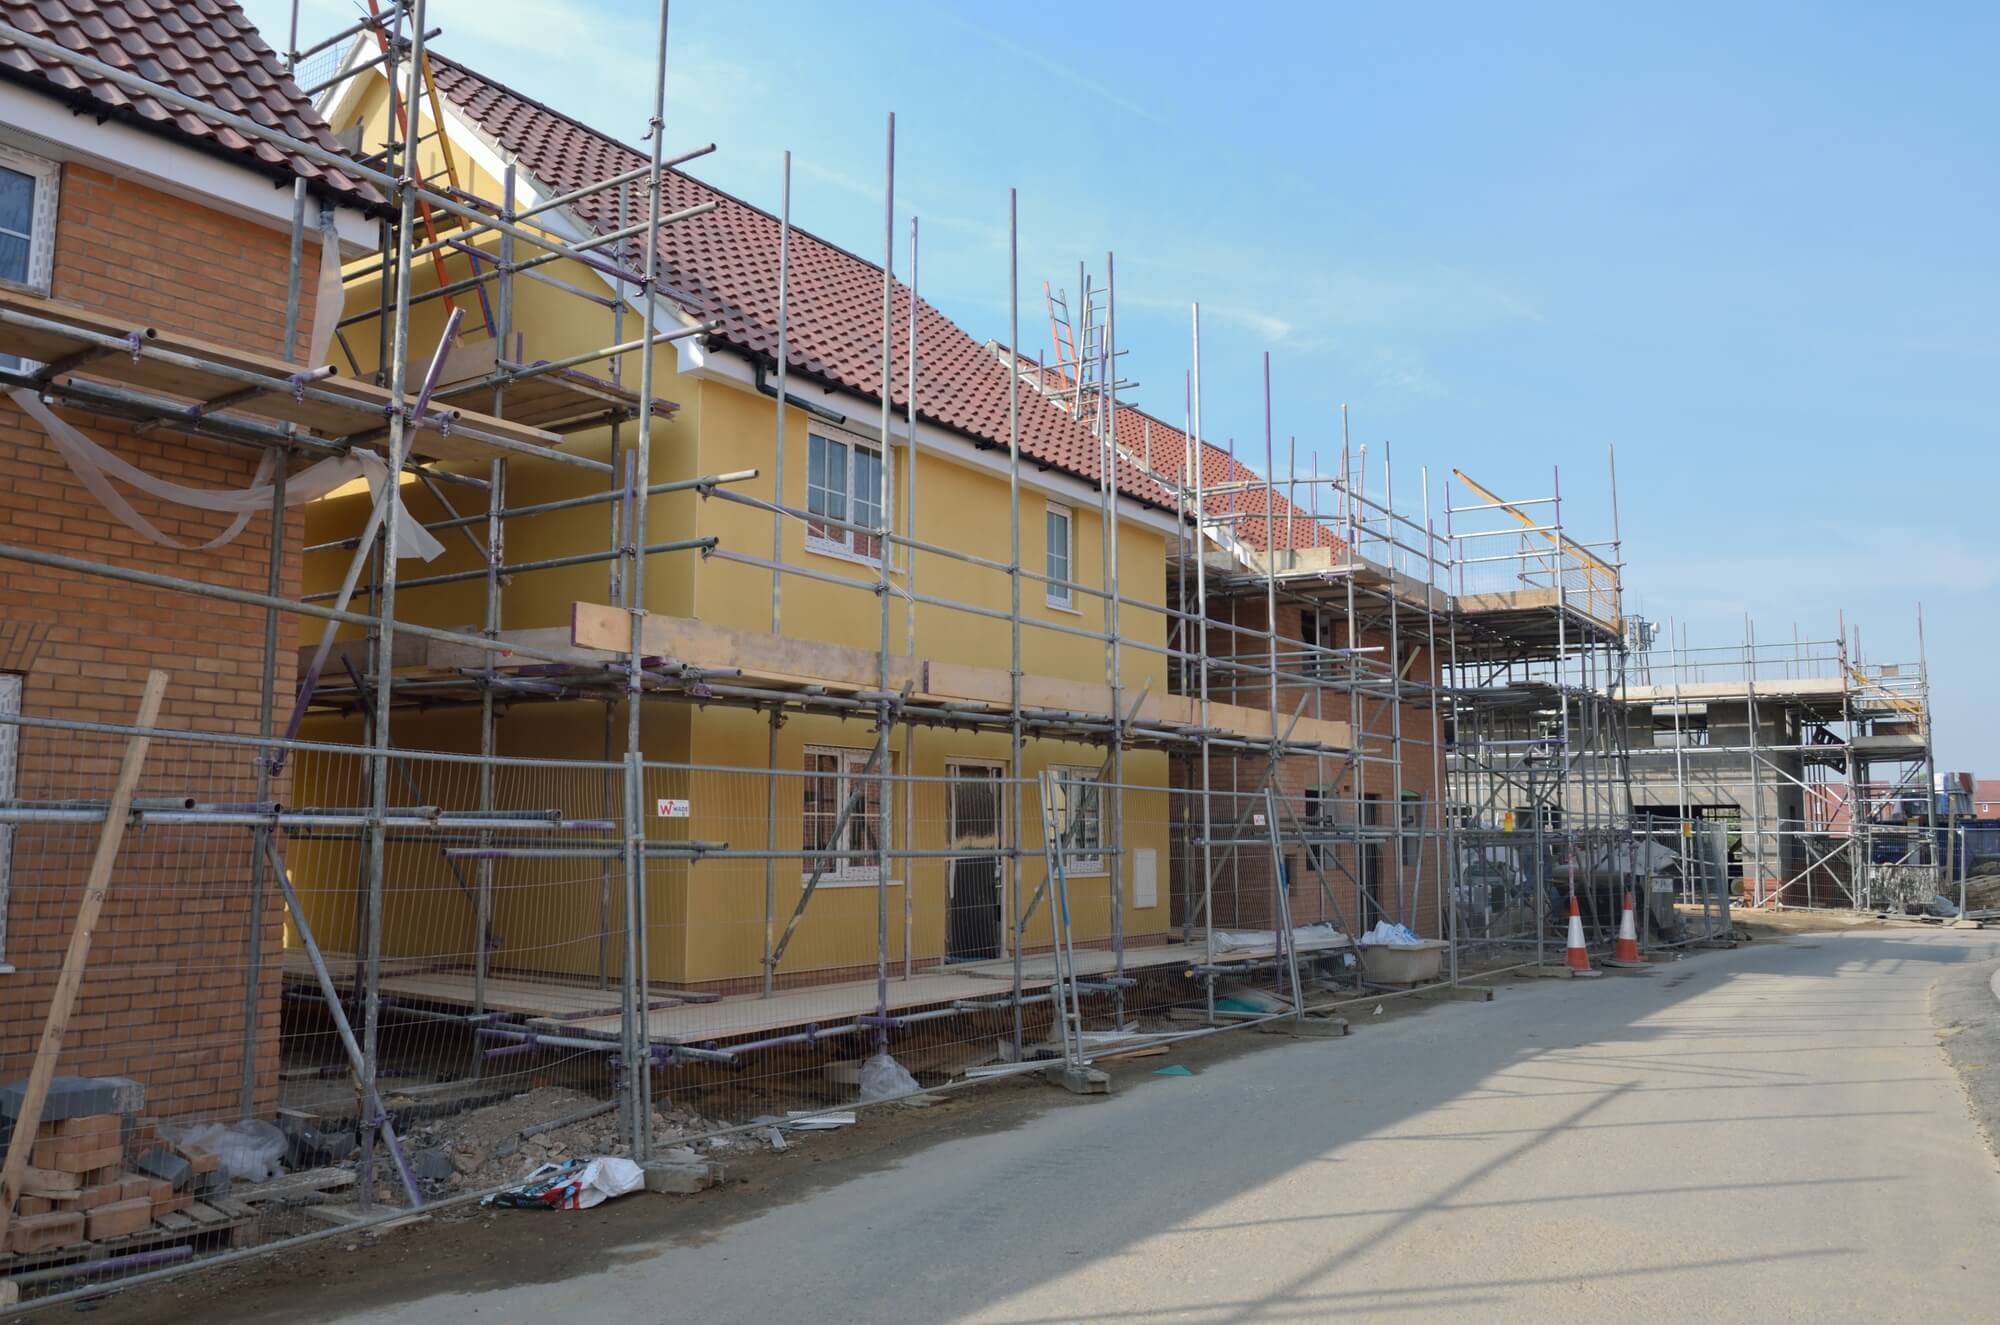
<point>96,1170</point>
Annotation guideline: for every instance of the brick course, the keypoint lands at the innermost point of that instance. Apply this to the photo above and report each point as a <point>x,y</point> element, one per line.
<point>163,997</point>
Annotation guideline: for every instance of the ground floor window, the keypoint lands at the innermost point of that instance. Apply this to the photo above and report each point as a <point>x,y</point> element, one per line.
<point>1082,817</point>
<point>836,775</point>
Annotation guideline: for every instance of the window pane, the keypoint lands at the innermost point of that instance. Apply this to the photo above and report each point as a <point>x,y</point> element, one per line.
<point>867,500</point>
<point>822,806</point>
<point>17,201</point>
<point>826,487</point>
<point>1057,528</point>
<point>13,258</point>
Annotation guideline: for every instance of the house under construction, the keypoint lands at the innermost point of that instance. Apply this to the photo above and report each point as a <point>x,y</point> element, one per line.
<point>747,672</point>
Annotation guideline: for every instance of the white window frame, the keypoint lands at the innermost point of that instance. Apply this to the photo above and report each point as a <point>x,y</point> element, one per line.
<point>11,684</point>
<point>1071,776</point>
<point>840,542</point>
<point>845,872</point>
<point>42,219</point>
<point>1060,595</point>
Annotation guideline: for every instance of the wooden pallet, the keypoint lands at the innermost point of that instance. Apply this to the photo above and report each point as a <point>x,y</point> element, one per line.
<point>222,1218</point>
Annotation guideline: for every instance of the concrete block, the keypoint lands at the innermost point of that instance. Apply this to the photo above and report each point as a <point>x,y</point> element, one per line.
<point>1079,1081</point>
<point>58,1228</point>
<point>76,1097</point>
<point>681,1179</point>
<point>215,1182</point>
<point>160,1162</point>
<point>119,1218</point>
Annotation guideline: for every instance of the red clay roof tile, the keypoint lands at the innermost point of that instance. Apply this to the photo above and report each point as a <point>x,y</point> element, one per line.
<point>207,49</point>
<point>726,262</point>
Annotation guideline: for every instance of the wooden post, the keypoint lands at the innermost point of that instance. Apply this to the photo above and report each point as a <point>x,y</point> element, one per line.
<point>67,983</point>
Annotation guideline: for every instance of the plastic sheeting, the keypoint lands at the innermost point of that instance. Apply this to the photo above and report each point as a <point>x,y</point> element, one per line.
<point>883,1078</point>
<point>96,467</point>
<point>573,1185</point>
<point>1387,935</point>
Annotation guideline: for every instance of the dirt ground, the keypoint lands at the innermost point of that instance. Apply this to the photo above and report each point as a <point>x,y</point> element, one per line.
<point>478,1248</point>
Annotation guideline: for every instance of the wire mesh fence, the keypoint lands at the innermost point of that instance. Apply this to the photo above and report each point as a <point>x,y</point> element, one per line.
<point>340,1040</point>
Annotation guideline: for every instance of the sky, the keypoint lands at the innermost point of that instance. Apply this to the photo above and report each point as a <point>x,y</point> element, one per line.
<point>1749,247</point>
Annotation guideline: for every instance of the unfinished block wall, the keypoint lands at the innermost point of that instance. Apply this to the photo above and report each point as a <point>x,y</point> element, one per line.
<point>163,998</point>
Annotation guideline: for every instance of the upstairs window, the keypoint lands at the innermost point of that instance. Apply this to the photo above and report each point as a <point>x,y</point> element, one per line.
<point>843,484</point>
<point>27,219</point>
<point>1057,530</point>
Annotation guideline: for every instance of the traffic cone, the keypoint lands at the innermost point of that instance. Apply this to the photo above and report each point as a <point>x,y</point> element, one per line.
<point>1574,956</point>
<point>1627,947</point>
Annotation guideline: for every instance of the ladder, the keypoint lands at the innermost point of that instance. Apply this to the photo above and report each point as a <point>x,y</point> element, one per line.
<point>1059,839</point>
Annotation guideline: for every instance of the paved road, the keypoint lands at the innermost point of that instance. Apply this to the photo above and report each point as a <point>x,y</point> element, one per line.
<point>1766,1134</point>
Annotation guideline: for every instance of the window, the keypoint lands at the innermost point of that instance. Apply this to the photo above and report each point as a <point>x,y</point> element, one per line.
<point>843,483</point>
<point>834,776</point>
<point>1056,530</point>
<point>1413,842</point>
<point>1080,816</point>
<point>27,219</point>
<point>10,746</point>
<point>27,226</point>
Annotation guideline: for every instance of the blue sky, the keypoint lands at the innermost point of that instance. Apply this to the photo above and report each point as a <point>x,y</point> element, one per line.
<point>1750,246</point>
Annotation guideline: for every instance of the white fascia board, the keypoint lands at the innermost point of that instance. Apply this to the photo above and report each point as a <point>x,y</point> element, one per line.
<point>725,365</point>
<point>48,127</point>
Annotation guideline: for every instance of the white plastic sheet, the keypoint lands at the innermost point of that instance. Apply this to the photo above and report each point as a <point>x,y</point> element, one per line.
<point>1388,935</point>
<point>95,466</point>
<point>883,1078</point>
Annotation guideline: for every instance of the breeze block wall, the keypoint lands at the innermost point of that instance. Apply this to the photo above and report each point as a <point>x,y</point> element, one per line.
<point>165,993</point>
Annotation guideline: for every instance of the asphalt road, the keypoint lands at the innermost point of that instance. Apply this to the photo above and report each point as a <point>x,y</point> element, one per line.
<point>1767,1134</point>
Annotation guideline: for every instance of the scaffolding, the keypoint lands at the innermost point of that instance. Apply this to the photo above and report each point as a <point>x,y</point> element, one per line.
<point>1328,656</point>
<point>1817,763</point>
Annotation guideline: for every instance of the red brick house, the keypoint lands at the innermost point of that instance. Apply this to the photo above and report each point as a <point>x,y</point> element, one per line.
<point>115,206</point>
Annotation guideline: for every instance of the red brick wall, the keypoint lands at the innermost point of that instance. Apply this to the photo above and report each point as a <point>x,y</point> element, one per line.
<point>1243,895</point>
<point>163,997</point>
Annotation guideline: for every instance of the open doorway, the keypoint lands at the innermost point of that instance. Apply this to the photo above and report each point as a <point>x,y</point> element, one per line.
<point>972,881</point>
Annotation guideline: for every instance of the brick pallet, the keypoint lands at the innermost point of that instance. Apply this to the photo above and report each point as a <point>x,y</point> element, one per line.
<point>213,1222</point>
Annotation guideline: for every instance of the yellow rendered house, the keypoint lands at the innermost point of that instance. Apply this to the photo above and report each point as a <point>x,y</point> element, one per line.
<point>749,769</point>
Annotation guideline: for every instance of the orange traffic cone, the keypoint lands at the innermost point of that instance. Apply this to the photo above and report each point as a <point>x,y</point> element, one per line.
<point>1627,947</point>
<point>1574,956</point>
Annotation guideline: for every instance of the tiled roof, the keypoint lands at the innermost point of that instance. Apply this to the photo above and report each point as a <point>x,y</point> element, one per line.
<point>725,263</point>
<point>203,48</point>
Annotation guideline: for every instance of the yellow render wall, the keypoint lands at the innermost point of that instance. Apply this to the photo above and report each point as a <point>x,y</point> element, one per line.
<point>548,916</point>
